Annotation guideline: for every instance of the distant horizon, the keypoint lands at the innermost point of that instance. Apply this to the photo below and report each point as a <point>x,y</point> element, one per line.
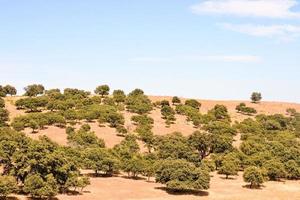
<point>21,92</point>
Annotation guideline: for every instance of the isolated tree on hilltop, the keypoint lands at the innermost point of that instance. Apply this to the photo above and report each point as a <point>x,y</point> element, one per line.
<point>256,97</point>
<point>102,90</point>
<point>34,90</point>
<point>176,100</point>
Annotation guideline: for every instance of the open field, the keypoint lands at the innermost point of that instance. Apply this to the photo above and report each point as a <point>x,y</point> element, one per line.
<point>122,188</point>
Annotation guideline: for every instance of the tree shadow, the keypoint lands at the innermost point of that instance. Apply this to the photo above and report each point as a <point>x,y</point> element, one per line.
<point>72,193</point>
<point>43,198</point>
<point>229,178</point>
<point>9,198</point>
<point>254,187</point>
<point>94,175</point>
<point>198,193</point>
<point>133,177</point>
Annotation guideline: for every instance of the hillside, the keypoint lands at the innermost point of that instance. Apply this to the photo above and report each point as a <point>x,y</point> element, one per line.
<point>181,125</point>
<point>123,188</point>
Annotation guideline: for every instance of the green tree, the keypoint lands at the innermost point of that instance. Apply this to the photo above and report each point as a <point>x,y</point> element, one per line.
<point>275,169</point>
<point>176,100</point>
<point>119,96</point>
<point>8,185</point>
<point>101,160</point>
<point>32,104</point>
<point>254,176</point>
<point>37,187</point>
<point>291,111</point>
<point>2,103</point>
<point>2,92</point>
<point>220,112</point>
<point>228,168</point>
<point>85,138</point>
<point>193,103</point>
<point>202,142</point>
<point>4,117</point>
<point>146,135</point>
<point>115,119</point>
<point>180,175</point>
<point>102,90</point>
<point>164,103</point>
<point>292,169</point>
<point>137,102</point>
<point>174,146</point>
<point>168,114</point>
<point>134,165</point>
<point>242,108</point>
<point>34,90</point>
<point>11,90</point>
<point>256,97</point>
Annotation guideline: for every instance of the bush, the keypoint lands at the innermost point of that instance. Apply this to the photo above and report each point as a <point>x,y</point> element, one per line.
<point>4,117</point>
<point>242,108</point>
<point>2,103</point>
<point>8,185</point>
<point>292,169</point>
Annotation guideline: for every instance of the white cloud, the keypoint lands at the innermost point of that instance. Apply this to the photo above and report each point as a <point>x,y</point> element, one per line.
<point>282,32</point>
<point>248,8</point>
<point>197,58</point>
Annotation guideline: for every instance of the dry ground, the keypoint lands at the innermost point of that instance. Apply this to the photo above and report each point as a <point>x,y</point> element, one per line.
<point>118,188</point>
<point>121,188</point>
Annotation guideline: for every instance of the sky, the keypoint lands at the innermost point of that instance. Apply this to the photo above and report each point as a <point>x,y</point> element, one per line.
<point>207,49</point>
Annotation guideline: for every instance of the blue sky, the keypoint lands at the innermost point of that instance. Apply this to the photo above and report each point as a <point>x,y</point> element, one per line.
<point>211,49</point>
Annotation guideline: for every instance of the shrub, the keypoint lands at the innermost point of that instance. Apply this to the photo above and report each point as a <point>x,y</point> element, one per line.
<point>2,103</point>
<point>8,185</point>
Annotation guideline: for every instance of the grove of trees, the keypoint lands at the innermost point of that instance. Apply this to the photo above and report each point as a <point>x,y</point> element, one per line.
<point>269,150</point>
